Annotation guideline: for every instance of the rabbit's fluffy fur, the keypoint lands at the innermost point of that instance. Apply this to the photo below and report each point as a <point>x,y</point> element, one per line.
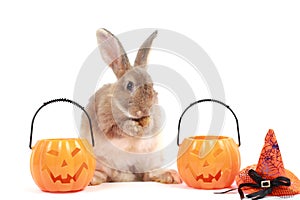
<point>125,119</point>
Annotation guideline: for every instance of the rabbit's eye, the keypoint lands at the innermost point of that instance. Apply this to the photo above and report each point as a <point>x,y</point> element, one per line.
<point>130,86</point>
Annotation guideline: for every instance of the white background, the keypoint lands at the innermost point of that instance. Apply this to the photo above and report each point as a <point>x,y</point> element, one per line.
<point>255,46</point>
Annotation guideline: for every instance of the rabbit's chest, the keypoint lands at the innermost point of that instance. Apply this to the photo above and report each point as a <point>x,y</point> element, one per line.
<point>132,155</point>
<point>133,145</point>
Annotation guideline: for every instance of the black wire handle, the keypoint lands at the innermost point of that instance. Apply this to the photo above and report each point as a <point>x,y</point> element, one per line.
<point>61,100</point>
<point>211,100</point>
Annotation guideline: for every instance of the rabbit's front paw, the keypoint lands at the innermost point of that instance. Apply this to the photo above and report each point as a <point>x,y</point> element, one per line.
<point>132,128</point>
<point>163,176</point>
<point>99,177</point>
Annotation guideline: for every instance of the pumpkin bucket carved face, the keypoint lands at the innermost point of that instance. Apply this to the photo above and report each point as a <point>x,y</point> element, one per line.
<point>59,165</point>
<point>62,165</point>
<point>208,162</point>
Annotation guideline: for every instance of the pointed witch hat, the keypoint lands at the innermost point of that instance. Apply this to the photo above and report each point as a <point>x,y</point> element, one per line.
<point>268,177</point>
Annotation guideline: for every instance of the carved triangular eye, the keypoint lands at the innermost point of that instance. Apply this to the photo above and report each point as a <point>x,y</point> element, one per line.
<point>53,152</point>
<point>205,164</point>
<point>75,151</point>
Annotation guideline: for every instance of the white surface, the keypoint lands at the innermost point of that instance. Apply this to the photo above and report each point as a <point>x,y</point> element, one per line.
<point>255,46</point>
<point>138,191</point>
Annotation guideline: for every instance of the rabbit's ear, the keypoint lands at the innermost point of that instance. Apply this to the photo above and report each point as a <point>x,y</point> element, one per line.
<point>112,52</point>
<point>142,55</point>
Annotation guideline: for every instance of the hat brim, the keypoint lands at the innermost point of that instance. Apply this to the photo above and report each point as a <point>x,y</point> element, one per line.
<point>293,189</point>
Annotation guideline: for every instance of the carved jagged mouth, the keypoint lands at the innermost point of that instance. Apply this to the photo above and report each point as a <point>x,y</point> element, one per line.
<point>69,177</point>
<point>208,179</point>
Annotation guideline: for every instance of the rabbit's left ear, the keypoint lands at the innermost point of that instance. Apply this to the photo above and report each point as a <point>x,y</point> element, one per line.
<point>142,55</point>
<point>113,52</point>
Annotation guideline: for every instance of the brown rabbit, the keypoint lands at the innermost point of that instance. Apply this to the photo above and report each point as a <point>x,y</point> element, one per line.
<point>126,120</point>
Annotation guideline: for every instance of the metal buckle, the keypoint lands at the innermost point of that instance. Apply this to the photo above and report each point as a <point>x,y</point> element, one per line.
<point>265,184</point>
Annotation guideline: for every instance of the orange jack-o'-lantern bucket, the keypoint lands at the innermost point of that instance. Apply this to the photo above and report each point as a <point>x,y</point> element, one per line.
<point>208,162</point>
<point>62,165</point>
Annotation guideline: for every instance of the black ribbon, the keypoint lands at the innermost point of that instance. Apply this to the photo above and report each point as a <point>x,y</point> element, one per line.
<point>265,185</point>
